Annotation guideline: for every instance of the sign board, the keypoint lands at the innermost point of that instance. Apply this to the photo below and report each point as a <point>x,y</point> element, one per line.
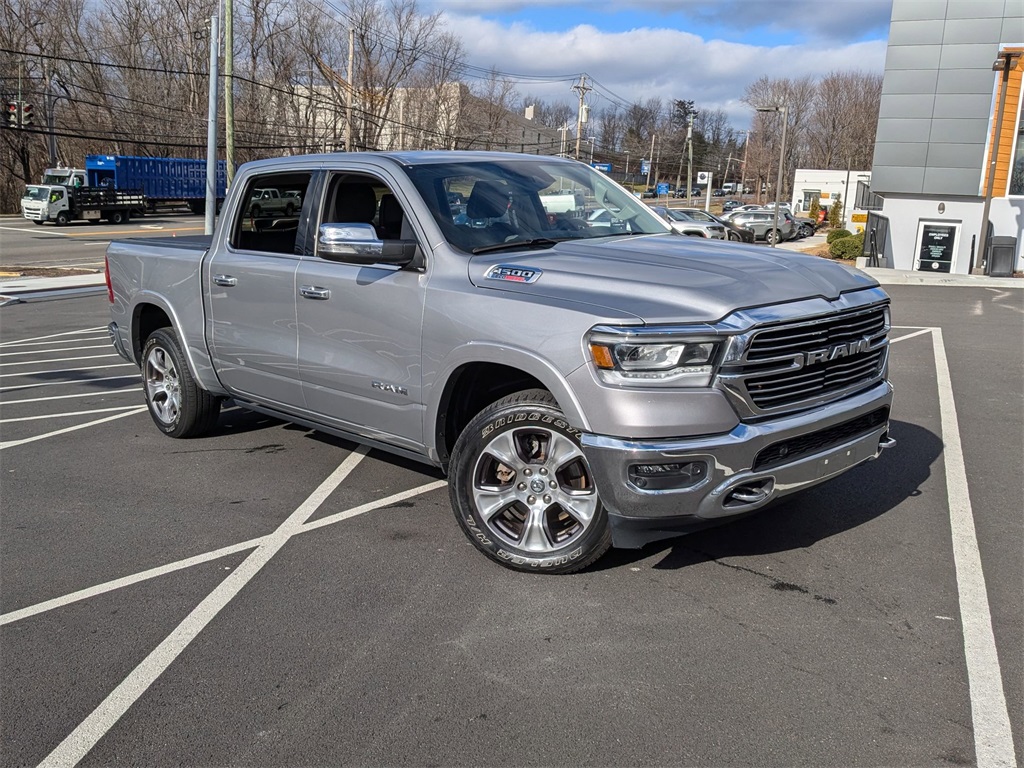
<point>938,243</point>
<point>859,217</point>
<point>703,177</point>
<point>606,167</point>
<point>645,167</point>
<point>662,188</point>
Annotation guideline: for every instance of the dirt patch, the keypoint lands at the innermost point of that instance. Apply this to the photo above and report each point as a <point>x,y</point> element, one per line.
<point>43,272</point>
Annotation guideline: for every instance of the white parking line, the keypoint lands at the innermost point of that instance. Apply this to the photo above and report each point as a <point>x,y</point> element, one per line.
<point>41,343</point>
<point>50,351</point>
<point>13,387</point>
<point>993,739</point>
<point>35,438</point>
<point>910,335</point>
<point>69,370</point>
<point>68,397</point>
<point>78,743</point>
<point>52,336</point>
<point>57,359</point>
<point>68,415</point>
<point>152,573</point>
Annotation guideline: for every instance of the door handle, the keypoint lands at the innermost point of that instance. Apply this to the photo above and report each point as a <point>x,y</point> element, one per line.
<point>315,292</point>
<point>225,280</point>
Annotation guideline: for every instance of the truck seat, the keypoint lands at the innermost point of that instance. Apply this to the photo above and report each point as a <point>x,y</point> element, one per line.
<point>488,201</point>
<point>390,218</point>
<point>354,204</point>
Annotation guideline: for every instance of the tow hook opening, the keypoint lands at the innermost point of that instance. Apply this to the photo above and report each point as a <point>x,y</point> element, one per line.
<point>885,441</point>
<point>746,494</point>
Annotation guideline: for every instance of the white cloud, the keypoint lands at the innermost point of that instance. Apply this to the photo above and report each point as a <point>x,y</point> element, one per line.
<point>645,63</point>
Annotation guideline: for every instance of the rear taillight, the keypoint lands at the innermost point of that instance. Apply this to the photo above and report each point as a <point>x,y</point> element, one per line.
<point>106,273</point>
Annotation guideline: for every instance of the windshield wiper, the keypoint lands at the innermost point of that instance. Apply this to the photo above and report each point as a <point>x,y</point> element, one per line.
<point>535,243</point>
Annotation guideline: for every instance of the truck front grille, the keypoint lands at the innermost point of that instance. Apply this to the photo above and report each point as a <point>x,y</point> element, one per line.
<point>788,366</point>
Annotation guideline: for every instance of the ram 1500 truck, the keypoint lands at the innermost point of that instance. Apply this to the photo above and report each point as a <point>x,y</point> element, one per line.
<point>580,385</point>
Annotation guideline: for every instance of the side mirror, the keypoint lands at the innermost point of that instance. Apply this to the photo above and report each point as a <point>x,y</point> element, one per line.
<point>358,244</point>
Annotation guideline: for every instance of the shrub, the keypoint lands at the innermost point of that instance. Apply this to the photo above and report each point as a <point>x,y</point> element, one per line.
<point>848,248</point>
<point>836,234</point>
<point>835,213</point>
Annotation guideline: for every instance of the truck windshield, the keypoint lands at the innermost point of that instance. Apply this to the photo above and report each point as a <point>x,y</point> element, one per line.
<point>34,193</point>
<point>479,204</point>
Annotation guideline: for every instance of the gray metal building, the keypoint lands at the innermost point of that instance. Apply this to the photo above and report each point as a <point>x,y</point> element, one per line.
<point>936,130</point>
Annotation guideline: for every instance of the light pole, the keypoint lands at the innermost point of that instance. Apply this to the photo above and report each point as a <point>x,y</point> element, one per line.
<point>1006,62</point>
<point>784,109</point>
<point>591,139</point>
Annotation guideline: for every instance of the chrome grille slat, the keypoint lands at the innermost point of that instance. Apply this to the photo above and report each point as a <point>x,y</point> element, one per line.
<point>791,383</point>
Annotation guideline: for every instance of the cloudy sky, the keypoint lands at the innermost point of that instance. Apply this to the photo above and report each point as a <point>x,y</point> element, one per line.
<point>704,50</point>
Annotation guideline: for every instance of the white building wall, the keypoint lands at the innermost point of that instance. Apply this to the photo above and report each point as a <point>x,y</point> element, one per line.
<point>830,183</point>
<point>906,213</point>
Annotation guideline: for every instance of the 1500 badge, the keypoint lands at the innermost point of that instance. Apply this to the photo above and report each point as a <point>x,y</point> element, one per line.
<point>513,274</point>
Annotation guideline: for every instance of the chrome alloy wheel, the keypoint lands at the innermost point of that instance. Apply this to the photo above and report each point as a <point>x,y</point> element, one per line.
<point>163,387</point>
<point>533,489</point>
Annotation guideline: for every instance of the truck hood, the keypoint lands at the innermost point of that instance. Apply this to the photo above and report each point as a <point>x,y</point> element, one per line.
<point>666,278</point>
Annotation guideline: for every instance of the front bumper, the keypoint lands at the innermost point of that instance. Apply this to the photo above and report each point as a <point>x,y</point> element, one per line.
<point>34,213</point>
<point>827,441</point>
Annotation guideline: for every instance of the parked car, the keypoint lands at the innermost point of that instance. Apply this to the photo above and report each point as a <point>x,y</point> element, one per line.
<point>718,193</point>
<point>741,208</point>
<point>805,227</point>
<point>731,205</point>
<point>762,223</point>
<point>732,232</point>
<point>687,225</point>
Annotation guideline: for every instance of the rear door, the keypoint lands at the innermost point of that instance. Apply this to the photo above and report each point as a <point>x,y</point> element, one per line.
<point>360,326</point>
<point>251,300</point>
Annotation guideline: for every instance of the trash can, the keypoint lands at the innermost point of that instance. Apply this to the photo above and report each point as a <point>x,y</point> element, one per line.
<point>1002,256</point>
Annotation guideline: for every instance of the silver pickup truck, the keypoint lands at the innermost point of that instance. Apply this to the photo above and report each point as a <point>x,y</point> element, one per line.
<point>583,381</point>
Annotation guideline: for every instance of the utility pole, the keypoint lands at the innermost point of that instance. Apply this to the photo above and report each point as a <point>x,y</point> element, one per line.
<point>650,163</point>
<point>689,150</point>
<point>581,89</point>
<point>51,139</point>
<point>211,131</point>
<point>351,87</point>
<point>743,177</point>
<point>229,89</point>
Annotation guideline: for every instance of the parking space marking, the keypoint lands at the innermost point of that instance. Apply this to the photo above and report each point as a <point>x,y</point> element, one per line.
<point>54,360</point>
<point>63,349</point>
<point>80,741</point>
<point>68,397</point>
<point>42,343</point>
<point>993,739</point>
<point>910,335</point>
<point>69,370</point>
<point>12,387</point>
<point>55,433</point>
<point>68,415</point>
<point>216,554</point>
<point>19,342</point>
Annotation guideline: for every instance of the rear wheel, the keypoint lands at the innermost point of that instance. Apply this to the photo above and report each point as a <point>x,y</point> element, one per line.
<point>522,490</point>
<point>772,236</point>
<point>117,217</point>
<point>178,406</point>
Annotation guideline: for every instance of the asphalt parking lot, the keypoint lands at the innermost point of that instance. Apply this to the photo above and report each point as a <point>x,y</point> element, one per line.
<point>273,596</point>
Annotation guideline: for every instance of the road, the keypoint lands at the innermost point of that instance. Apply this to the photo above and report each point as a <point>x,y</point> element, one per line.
<point>81,244</point>
<point>273,596</point>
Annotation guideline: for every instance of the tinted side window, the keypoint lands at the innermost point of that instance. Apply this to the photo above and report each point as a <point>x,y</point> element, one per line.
<point>267,221</point>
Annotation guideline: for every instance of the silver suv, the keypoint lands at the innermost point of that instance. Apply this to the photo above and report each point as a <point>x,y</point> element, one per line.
<point>761,222</point>
<point>685,224</point>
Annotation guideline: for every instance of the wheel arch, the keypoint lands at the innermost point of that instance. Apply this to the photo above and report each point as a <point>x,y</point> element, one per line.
<point>481,375</point>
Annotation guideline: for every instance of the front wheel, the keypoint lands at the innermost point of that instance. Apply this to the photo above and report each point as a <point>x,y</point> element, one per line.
<point>62,218</point>
<point>178,406</point>
<point>735,237</point>
<point>522,490</point>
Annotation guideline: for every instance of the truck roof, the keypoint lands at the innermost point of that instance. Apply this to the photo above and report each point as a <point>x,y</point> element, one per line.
<point>421,157</point>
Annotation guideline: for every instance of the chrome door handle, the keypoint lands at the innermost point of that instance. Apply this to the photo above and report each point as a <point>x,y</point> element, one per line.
<point>225,280</point>
<point>315,292</point>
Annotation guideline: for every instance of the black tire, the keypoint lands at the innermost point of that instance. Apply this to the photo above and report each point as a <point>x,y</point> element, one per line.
<point>546,515</point>
<point>735,237</point>
<point>38,223</point>
<point>289,209</point>
<point>117,217</point>
<point>178,406</point>
<point>255,212</point>
<point>63,218</point>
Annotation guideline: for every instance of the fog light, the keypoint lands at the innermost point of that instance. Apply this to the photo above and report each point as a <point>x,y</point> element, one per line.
<point>663,477</point>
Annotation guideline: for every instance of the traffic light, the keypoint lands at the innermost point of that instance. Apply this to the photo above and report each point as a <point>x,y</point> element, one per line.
<point>11,114</point>
<point>26,114</point>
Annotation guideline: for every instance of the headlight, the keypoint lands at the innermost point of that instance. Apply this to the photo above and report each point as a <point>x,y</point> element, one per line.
<point>634,361</point>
